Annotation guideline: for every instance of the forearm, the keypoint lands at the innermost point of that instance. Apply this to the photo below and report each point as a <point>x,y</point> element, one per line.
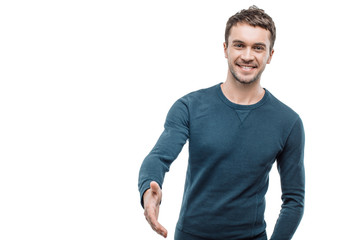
<point>167,148</point>
<point>292,175</point>
<point>290,216</point>
<point>152,169</point>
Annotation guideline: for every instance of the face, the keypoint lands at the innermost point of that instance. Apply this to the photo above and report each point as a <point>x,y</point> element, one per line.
<point>248,52</point>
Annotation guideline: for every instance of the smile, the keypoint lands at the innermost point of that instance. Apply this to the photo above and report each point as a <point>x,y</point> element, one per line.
<point>246,67</point>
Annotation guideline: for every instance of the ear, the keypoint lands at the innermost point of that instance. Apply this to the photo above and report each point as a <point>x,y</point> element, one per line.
<point>270,57</point>
<point>225,50</point>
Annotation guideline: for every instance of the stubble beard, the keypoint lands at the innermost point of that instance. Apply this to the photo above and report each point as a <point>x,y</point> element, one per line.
<point>256,78</point>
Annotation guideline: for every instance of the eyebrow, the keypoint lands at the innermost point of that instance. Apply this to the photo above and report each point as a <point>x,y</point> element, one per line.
<point>256,44</point>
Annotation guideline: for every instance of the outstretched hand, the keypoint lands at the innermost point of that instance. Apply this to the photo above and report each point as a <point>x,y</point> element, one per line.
<point>152,199</point>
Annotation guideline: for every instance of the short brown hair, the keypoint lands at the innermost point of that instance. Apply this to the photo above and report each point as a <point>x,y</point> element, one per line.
<point>255,17</point>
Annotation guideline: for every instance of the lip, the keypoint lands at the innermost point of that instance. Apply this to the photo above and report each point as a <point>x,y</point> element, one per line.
<point>246,67</point>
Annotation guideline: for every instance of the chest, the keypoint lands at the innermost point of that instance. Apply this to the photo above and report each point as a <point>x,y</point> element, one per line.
<point>249,139</point>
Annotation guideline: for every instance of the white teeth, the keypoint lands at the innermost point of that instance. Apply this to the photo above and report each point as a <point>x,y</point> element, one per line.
<point>247,67</point>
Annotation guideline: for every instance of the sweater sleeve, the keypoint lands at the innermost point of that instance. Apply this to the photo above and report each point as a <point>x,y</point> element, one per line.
<point>290,164</point>
<point>167,148</point>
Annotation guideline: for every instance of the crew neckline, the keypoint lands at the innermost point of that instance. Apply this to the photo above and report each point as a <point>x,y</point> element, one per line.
<point>240,106</point>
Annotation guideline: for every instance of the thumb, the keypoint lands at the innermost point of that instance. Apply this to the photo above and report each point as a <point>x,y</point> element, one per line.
<point>155,187</point>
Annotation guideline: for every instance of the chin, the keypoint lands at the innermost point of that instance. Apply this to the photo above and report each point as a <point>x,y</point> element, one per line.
<point>246,81</point>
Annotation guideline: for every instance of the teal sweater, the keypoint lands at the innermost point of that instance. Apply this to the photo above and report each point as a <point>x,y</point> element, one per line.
<point>231,151</point>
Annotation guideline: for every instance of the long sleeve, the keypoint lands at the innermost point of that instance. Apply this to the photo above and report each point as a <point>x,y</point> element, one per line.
<point>290,163</point>
<point>167,148</point>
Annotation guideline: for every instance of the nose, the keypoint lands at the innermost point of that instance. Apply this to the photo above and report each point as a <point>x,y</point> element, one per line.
<point>247,55</point>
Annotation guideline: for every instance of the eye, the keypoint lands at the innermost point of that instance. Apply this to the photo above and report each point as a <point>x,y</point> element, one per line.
<point>259,48</point>
<point>239,45</point>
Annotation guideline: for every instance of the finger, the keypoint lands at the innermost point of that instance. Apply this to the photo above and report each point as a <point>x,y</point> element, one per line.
<point>156,226</point>
<point>150,216</point>
<point>155,187</point>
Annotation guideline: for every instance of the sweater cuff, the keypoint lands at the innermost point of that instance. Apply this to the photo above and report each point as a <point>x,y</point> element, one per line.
<point>145,186</point>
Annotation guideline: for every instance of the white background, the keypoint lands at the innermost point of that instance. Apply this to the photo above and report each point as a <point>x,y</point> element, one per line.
<point>85,87</point>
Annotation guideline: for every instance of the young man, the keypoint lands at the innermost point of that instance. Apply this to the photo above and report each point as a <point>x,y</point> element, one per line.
<point>236,131</point>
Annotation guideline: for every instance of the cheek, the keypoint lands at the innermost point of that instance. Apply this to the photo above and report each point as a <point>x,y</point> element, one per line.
<point>266,59</point>
<point>232,56</point>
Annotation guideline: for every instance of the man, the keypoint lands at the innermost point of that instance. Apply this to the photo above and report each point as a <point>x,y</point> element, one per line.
<point>236,131</point>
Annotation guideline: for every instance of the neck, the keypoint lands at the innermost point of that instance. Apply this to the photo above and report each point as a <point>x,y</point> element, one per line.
<point>243,94</point>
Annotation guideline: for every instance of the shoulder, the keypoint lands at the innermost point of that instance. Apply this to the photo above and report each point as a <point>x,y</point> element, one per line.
<point>201,92</point>
<point>199,96</point>
<point>281,108</point>
<point>282,116</point>
<point>285,119</point>
<point>193,99</point>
